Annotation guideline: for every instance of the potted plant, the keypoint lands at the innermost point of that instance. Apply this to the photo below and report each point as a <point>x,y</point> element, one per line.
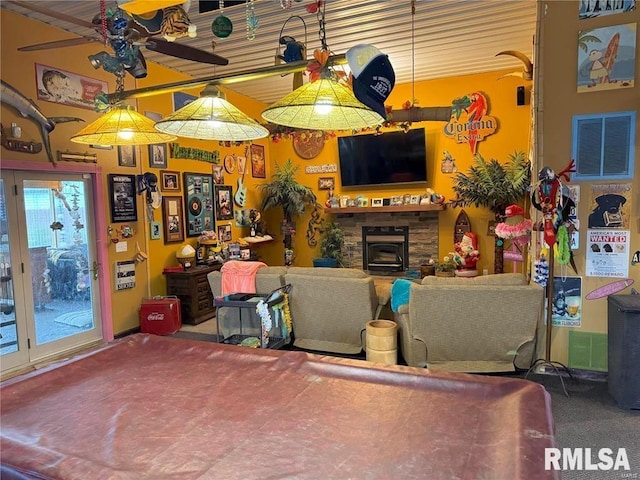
<point>331,246</point>
<point>495,186</point>
<point>447,267</point>
<point>285,191</point>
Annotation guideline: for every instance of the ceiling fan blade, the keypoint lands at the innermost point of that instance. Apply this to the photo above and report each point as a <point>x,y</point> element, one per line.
<point>53,14</point>
<point>70,42</point>
<point>181,50</point>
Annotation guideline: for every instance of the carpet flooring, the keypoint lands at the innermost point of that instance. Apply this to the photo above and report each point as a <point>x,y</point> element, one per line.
<point>590,418</point>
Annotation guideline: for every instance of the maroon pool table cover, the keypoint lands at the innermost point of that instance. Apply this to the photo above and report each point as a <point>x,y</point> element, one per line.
<point>151,407</point>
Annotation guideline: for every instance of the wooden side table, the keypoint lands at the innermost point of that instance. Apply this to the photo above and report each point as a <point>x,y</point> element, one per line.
<point>192,288</point>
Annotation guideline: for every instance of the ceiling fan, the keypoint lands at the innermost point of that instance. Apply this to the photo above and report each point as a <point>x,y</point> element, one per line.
<point>126,33</point>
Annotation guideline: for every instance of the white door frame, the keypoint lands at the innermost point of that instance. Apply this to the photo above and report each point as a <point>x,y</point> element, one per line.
<point>102,243</point>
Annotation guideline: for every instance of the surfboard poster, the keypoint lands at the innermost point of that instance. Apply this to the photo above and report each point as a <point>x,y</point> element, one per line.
<point>606,58</point>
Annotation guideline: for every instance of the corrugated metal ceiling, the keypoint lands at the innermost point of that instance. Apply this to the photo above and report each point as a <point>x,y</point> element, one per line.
<point>450,38</point>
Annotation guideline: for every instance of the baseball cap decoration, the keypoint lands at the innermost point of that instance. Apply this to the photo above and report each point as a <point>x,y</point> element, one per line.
<point>373,76</point>
<point>326,102</point>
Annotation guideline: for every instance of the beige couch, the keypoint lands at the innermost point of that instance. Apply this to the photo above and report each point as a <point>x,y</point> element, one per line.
<point>329,306</point>
<point>482,324</point>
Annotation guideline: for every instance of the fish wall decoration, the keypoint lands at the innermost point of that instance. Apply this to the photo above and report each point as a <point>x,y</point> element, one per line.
<point>28,109</point>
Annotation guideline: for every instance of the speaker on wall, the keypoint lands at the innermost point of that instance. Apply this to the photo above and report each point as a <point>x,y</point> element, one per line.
<point>520,95</point>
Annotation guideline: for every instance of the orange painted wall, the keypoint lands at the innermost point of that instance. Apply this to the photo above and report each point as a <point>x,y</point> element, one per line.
<point>513,134</point>
<point>18,70</point>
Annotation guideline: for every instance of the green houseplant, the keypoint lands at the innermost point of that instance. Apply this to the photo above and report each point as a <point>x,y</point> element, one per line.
<point>284,191</point>
<point>495,186</point>
<point>331,246</point>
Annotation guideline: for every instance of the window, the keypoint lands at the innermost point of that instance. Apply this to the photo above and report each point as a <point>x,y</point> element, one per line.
<point>603,146</point>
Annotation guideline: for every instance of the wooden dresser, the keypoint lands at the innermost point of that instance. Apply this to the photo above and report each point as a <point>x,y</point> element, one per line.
<point>192,288</point>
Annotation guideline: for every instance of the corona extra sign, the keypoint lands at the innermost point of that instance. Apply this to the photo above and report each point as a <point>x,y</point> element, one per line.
<point>469,120</point>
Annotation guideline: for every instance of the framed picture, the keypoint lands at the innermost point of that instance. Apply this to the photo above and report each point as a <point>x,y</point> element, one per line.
<point>155,231</point>
<point>169,181</point>
<point>126,155</point>
<point>326,183</point>
<point>60,86</point>
<point>173,217</point>
<point>224,202</point>
<point>242,164</point>
<point>158,155</point>
<point>156,117</point>
<point>258,167</point>
<point>122,189</point>
<point>224,233</point>
<point>102,147</point>
<point>198,191</point>
<point>181,99</point>
<point>218,174</point>
<point>376,202</point>
<point>415,200</point>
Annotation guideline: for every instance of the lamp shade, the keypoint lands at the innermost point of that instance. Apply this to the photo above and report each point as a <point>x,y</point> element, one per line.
<point>122,125</point>
<point>211,117</point>
<point>322,105</point>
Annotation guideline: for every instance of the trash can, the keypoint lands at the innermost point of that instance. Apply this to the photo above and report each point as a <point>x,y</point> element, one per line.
<point>160,315</point>
<point>624,350</point>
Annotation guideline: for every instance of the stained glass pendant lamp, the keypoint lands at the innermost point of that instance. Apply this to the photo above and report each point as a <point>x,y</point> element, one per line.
<point>121,125</point>
<point>211,117</point>
<point>324,103</point>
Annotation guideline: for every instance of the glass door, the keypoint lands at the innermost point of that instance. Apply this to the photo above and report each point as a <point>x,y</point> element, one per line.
<point>47,236</point>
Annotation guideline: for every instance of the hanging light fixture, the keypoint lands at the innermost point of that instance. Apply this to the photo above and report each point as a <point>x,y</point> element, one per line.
<point>211,117</point>
<point>121,125</point>
<point>323,104</point>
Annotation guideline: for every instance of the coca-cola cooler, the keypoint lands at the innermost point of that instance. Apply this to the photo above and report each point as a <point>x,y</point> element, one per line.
<point>160,315</point>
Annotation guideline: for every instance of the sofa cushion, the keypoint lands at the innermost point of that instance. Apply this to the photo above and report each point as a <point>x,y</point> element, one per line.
<point>329,272</point>
<point>498,279</point>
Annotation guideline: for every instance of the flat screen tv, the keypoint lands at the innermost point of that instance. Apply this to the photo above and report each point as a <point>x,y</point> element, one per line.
<point>389,158</point>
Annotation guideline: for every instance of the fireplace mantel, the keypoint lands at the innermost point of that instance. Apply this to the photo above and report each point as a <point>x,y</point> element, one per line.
<point>387,209</point>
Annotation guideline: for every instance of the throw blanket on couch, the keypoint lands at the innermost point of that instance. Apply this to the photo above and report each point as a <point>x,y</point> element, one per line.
<point>400,291</point>
<point>239,276</point>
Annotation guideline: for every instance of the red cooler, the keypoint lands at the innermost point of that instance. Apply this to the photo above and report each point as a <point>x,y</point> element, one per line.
<point>160,315</point>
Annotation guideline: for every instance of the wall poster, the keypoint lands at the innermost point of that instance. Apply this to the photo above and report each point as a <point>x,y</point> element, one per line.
<point>59,86</point>
<point>610,206</point>
<point>567,302</point>
<point>122,189</point>
<point>198,197</point>
<point>608,253</point>
<point>597,8</point>
<point>125,274</point>
<point>607,58</point>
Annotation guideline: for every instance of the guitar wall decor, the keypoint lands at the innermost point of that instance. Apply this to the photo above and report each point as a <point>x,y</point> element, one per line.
<point>241,192</point>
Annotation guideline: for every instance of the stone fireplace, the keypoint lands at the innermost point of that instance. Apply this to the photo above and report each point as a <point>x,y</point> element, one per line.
<point>422,235</point>
<point>385,249</point>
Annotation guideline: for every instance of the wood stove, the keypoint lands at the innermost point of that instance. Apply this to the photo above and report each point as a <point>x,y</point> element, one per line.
<point>385,249</point>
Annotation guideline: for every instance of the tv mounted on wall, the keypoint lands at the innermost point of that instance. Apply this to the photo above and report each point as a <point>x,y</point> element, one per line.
<point>389,158</point>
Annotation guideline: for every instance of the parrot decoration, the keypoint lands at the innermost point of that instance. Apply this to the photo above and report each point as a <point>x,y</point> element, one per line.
<point>476,111</point>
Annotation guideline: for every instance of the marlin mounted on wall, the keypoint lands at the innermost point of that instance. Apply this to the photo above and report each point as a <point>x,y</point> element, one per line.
<point>12,97</point>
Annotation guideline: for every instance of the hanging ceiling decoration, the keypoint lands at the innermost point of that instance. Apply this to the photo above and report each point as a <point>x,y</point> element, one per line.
<point>211,117</point>
<point>325,103</point>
